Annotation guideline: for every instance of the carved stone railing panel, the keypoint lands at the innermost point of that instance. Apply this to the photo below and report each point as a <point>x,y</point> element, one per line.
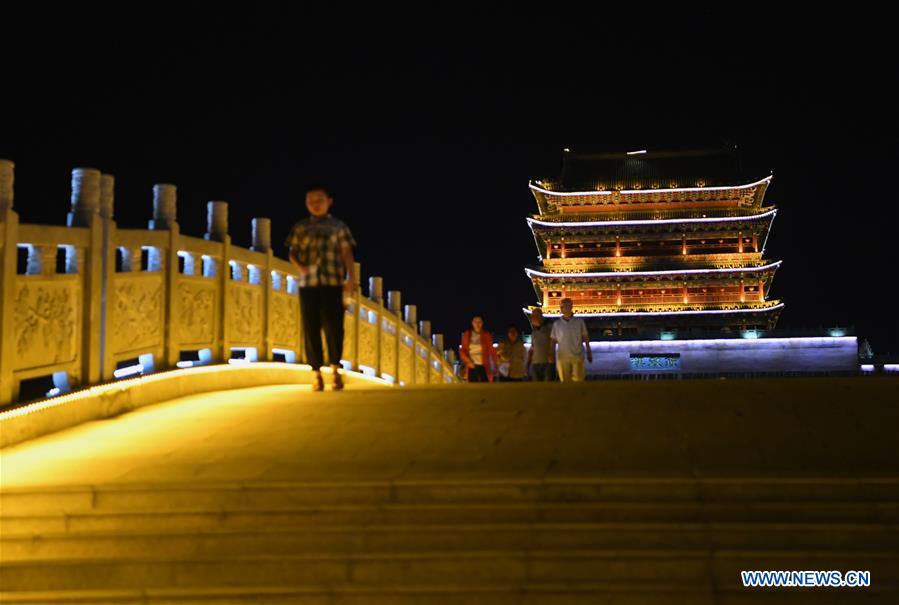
<point>197,304</point>
<point>368,345</point>
<point>368,336</point>
<point>137,313</point>
<point>407,357</point>
<point>388,347</point>
<point>349,335</point>
<point>245,315</point>
<point>285,319</point>
<point>46,319</point>
<point>435,366</point>
<point>421,364</point>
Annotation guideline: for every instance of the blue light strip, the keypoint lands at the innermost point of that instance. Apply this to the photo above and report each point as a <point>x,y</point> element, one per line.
<point>738,342</point>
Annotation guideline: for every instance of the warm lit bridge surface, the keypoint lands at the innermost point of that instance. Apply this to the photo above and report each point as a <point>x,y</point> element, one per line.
<point>639,492</point>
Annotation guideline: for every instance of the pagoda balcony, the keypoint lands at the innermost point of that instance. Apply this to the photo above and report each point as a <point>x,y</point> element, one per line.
<point>675,299</point>
<point>577,206</point>
<point>634,214</point>
<point>581,307</point>
<point>577,280</point>
<point>669,231</point>
<point>633,263</point>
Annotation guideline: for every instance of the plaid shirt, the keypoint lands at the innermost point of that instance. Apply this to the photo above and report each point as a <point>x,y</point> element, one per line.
<point>317,243</point>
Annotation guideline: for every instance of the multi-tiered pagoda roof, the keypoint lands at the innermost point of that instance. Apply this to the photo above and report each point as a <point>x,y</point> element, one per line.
<point>645,242</point>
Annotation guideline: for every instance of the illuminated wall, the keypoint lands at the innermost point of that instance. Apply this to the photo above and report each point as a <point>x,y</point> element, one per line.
<point>726,356</point>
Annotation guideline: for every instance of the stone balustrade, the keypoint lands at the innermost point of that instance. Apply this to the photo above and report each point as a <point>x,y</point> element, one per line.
<point>90,302</point>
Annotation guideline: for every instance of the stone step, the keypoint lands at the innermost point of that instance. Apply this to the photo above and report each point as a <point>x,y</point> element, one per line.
<point>400,514</point>
<point>689,568</point>
<point>531,593</point>
<point>381,538</point>
<point>272,496</point>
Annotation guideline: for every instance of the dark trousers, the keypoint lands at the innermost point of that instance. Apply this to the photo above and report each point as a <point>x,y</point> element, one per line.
<point>322,309</point>
<point>477,374</point>
<point>543,372</point>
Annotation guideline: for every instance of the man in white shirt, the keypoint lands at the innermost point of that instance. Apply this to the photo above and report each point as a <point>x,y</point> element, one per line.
<point>570,334</point>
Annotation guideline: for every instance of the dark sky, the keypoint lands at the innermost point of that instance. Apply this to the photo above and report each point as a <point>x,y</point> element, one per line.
<point>429,125</point>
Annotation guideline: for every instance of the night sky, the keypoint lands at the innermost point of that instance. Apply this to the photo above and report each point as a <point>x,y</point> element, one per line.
<point>429,125</point>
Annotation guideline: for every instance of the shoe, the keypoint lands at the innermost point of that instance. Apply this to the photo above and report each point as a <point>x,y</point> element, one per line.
<point>338,381</point>
<point>318,384</point>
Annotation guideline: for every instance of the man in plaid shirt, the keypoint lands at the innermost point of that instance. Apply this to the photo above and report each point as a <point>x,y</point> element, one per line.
<point>321,248</point>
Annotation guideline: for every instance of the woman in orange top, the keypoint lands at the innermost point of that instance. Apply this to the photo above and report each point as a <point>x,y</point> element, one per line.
<point>477,352</point>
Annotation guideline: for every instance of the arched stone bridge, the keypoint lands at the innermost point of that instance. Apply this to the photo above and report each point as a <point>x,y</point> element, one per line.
<point>89,302</point>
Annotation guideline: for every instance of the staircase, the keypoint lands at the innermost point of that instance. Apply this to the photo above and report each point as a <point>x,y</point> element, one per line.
<point>570,512</point>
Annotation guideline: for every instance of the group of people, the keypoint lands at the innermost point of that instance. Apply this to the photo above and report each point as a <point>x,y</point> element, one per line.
<point>558,349</point>
<point>321,248</point>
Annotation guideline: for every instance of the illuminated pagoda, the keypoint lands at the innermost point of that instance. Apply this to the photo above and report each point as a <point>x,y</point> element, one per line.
<point>655,244</point>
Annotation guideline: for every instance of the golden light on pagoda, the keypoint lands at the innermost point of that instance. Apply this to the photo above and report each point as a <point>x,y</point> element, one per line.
<point>723,218</point>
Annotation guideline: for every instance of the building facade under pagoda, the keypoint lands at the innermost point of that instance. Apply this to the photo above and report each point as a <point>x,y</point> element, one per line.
<point>654,243</point>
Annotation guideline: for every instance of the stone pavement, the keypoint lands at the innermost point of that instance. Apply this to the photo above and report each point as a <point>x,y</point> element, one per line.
<point>625,492</point>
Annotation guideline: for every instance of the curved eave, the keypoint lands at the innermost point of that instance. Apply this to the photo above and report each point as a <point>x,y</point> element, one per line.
<point>539,241</point>
<point>767,234</point>
<point>538,291</point>
<point>761,184</point>
<point>768,284</point>
<point>540,198</point>
<point>762,189</point>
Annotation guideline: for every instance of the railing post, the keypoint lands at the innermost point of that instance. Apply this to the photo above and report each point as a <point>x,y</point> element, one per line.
<point>394,303</point>
<point>450,356</point>
<point>107,196</point>
<point>216,221</point>
<point>357,305</point>
<point>376,295</point>
<point>85,199</point>
<point>107,207</point>
<point>7,182</point>
<point>165,219</point>
<point>217,231</point>
<point>262,242</point>
<point>262,234</point>
<point>412,321</point>
<point>425,331</point>
<point>9,233</point>
<point>376,289</point>
<point>165,198</point>
<point>437,339</point>
<point>411,317</point>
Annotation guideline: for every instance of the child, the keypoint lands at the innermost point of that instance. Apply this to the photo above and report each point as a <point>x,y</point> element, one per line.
<point>321,248</point>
